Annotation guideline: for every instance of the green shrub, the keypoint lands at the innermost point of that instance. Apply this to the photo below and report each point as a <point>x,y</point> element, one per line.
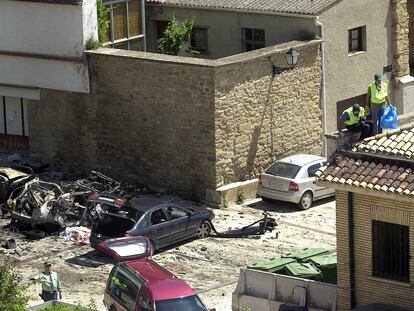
<point>13,291</point>
<point>175,37</point>
<point>240,196</point>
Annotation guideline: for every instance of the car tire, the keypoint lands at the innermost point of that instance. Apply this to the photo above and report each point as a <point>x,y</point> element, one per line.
<point>306,200</point>
<point>203,230</point>
<point>264,199</point>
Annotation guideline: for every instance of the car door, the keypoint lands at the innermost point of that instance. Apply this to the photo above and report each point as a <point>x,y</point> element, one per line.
<point>311,170</point>
<point>179,224</point>
<point>159,227</point>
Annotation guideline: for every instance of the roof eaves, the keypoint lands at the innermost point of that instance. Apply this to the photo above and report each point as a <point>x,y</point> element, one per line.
<point>263,12</point>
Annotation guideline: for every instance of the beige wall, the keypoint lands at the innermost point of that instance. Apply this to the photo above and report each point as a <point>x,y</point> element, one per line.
<point>224,28</point>
<point>348,76</point>
<point>182,124</point>
<point>368,289</point>
<point>260,119</point>
<point>147,121</point>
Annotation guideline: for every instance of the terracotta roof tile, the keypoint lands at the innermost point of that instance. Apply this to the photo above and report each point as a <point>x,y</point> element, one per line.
<point>399,143</point>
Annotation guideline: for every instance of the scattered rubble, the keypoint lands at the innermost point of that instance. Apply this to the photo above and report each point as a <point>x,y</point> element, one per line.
<point>32,201</point>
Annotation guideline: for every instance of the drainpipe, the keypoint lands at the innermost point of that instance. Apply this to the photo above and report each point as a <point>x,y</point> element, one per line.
<point>323,87</point>
<point>351,249</point>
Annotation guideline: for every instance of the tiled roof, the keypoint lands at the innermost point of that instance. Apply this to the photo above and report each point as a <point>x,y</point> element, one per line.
<point>384,162</point>
<point>70,2</point>
<point>305,7</point>
<point>396,143</point>
<point>375,175</point>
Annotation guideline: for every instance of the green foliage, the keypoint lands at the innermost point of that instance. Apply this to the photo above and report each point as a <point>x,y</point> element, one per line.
<point>225,204</point>
<point>91,44</point>
<point>175,37</point>
<point>103,22</point>
<point>13,292</point>
<point>90,307</point>
<point>240,196</point>
<point>246,309</point>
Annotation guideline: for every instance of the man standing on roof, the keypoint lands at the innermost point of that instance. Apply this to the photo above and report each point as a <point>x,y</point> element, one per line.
<point>50,281</point>
<point>377,96</point>
<point>354,119</point>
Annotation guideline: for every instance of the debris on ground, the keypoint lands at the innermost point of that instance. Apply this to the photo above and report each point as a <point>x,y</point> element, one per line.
<point>79,235</point>
<point>35,202</point>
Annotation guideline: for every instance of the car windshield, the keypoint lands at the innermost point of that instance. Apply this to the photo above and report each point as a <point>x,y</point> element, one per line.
<point>192,303</point>
<point>129,212</point>
<point>282,169</point>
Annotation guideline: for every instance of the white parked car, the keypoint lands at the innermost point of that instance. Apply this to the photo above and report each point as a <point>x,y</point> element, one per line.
<point>292,179</point>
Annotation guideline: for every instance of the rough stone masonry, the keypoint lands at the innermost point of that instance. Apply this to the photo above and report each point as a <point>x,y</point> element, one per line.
<point>182,125</point>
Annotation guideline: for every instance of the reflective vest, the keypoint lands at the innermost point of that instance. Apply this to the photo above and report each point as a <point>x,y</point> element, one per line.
<point>353,119</point>
<point>378,96</point>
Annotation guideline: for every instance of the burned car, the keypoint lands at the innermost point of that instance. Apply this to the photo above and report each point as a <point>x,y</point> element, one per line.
<point>164,223</point>
<point>34,202</point>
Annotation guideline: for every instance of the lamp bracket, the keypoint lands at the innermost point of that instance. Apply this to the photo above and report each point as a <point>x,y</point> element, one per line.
<point>276,70</point>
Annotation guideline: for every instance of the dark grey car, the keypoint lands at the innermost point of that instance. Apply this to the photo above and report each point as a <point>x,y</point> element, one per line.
<point>163,222</point>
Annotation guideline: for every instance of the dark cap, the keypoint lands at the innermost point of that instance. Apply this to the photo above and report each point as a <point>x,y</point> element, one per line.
<point>356,107</point>
<point>377,77</point>
<point>47,263</point>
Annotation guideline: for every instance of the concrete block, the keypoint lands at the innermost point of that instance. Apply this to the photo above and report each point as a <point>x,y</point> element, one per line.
<point>229,194</point>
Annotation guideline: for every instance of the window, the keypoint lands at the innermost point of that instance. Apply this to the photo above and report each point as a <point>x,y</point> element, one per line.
<point>313,169</point>
<point>356,39</point>
<point>178,304</point>
<point>125,285</point>
<point>125,28</point>
<point>158,216</point>
<point>252,39</point>
<point>175,212</point>
<point>391,251</point>
<point>199,39</point>
<point>282,169</point>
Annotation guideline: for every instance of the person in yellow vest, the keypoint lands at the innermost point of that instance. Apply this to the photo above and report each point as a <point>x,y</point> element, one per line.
<point>354,119</point>
<point>377,97</point>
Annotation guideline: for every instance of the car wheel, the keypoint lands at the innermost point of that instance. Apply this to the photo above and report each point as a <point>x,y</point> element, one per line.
<point>203,230</point>
<point>306,200</point>
<point>264,199</point>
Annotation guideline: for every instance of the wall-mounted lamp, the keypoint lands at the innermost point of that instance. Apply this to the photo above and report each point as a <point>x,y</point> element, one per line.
<point>291,57</point>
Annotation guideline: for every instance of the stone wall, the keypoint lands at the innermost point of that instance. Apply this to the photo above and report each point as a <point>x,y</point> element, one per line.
<point>182,125</point>
<point>260,118</point>
<point>147,121</point>
<point>401,45</point>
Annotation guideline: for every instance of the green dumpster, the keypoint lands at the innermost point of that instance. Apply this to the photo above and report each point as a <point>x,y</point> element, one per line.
<point>327,264</point>
<point>271,265</point>
<point>305,253</point>
<point>302,270</point>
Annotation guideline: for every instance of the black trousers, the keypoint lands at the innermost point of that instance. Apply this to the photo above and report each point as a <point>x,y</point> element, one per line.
<point>365,128</point>
<point>47,296</point>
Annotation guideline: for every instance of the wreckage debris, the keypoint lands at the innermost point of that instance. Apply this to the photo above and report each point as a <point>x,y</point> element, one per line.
<point>31,201</point>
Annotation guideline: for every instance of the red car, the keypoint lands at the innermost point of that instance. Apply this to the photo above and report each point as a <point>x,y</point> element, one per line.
<point>137,283</point>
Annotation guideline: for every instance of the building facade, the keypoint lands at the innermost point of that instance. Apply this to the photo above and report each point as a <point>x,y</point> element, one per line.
<point>360,38</point>
<point>374,185</point>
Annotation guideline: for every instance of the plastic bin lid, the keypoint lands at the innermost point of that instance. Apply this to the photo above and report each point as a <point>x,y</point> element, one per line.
<point>324,260</point>
<point>305,253</point>
<point>273,264</point>
<point>302,270</point>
